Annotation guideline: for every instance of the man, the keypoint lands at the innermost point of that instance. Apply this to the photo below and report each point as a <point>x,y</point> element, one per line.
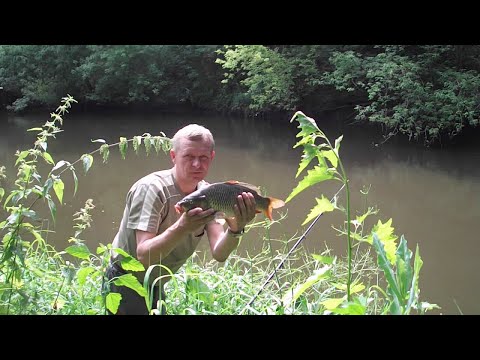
<point>154,233</point>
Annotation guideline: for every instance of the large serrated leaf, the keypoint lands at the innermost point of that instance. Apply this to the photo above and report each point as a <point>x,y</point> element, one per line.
<point>385,234</point>
<point>331,156</point>
<point>306,124</point>
<point>316,175</point>
<point>323,205</point>
<point>309,153</point>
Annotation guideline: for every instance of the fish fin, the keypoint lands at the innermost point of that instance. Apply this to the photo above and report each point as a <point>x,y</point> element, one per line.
<point>220,221</point>
<point>247,185</point>
<point>201,185</point>
<point>276,203</point>
<point>220,218</point>
<point>273,204</point>
<point>268,212</point>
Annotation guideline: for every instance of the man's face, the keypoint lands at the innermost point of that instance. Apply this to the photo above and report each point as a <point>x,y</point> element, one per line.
<point>192,160</point>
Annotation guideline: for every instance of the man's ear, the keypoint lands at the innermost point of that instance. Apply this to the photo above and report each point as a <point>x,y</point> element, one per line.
<point>213,154</point>
<point>172,155</point>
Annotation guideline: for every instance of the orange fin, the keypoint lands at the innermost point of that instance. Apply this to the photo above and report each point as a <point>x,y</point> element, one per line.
<point>276,203</point>
<point>273,204</point>
<point>233,182</point>
<point>247,185</point>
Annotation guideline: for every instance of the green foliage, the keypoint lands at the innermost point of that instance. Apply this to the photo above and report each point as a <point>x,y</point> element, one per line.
<point>403,290</point>
<point>34,277</point>
<point>401,297</point>
<point>38,74</point>
<point>270,78</point>
<point>418,91</point>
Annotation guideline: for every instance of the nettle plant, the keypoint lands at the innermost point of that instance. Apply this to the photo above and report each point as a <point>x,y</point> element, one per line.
<point>34,277</point>
<point>402,279</point>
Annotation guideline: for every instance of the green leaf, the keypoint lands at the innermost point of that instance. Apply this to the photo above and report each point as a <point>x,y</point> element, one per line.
<point>323,205</point>
<point>387,237</point>
<point>83,273</point>
<point>306,124</point>
<point>121,252</point>
<point>147,141</point>
<point>337,145</point>
<point>2,192</point>
<point>58,186</point>
<point>414,290</point>
<point>332,303</point>
<point>314,176</point>
<point>104,151</point>
<point>80,251</point>
<point>21,156</point>
<point>199,290</point>
<point>137,141</point>
<point>292,295</point>
<point>132,264</point>
<point>99,141</point>
<point>43,145</point>
<point>123,145</point>
<point>35,129</point>
<point>52,207</point>
<point>112,302</point>
<point>130,281</point>
<point>404,268</point>
<point>330,155</point>
<point>59,165</point>
<point>75,180</point>
<point>309,153</point>
<point>323,259</point>
<point>384,264</point>
<point>350,308</point>
<point>87,160</point>
<point>48,158</point>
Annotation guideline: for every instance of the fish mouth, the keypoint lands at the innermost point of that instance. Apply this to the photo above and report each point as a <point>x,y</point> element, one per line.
<point>179,209</point>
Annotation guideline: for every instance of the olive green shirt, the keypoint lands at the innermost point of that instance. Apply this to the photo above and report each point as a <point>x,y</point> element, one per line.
<point>150,207</point>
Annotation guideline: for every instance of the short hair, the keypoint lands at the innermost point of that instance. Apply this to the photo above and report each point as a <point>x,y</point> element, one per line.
<point>193,132</point>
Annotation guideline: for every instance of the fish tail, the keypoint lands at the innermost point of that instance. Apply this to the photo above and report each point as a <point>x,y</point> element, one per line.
<point>273,203</point>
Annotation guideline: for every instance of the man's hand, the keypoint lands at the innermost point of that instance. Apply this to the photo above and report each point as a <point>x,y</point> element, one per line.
<point>244,212</point>
<point>195,218</point>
